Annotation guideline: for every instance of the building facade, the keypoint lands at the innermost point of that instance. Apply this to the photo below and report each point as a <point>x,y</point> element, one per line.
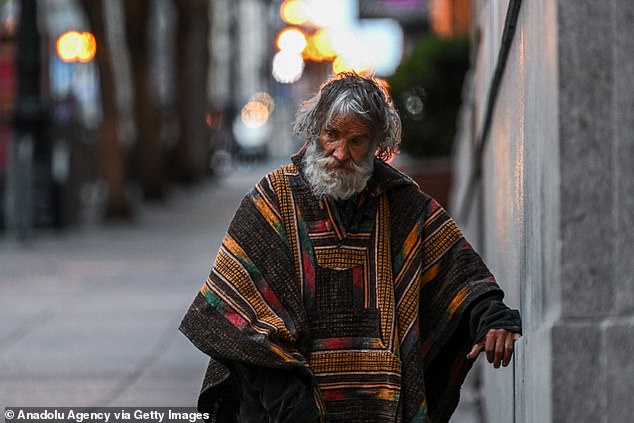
<point>544,186</point>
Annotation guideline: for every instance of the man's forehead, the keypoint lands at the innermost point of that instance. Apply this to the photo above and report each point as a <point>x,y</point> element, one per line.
<point>349,122</point>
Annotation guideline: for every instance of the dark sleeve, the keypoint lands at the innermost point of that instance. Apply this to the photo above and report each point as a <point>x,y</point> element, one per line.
<point>490,312</point>
<point>279,395</point>
<point>219,401</point>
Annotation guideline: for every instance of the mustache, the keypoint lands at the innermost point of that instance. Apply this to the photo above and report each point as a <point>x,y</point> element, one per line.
<point>332,163</point>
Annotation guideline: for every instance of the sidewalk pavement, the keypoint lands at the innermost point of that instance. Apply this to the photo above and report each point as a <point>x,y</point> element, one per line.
<point>90,317</point>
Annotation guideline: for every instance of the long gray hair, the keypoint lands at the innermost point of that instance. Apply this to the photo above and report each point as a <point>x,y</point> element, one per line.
<point>352,94</point>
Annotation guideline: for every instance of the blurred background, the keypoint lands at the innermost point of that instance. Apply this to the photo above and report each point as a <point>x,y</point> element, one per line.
<point>131,129</point>
<point>108,104</point>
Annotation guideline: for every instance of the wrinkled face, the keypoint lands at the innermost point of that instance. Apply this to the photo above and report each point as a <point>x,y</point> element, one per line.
<point>341,161</point>
<point>346,137</point>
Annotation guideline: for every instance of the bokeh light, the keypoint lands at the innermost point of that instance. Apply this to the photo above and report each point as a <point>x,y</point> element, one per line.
<point>73,46</point>
<point>358,63</point>
<point>294,12</point>
<point>264,98</point>
<point>321,44</point>
<point>288,67</point>
<point>258,110</point>
<point>291,40</point>
<point>254,114</point>
<point>326,13</point>
<point>414,104</point>
<point>316,13</point>
<point>329,30</point>
<point>352,54</point>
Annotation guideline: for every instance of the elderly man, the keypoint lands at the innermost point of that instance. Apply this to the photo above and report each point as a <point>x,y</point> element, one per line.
<point>342,292</point>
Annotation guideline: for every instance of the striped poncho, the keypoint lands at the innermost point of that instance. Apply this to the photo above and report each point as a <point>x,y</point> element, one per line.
<point>371,315</point>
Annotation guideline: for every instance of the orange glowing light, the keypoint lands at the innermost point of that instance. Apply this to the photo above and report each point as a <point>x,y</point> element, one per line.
<point>323,42</point>
<point>450,18</point>
<point>357,64</point>
<point>264,98</point>
<point>311,52</point>
<point>340,65</point>
<point>73,46</point>
<point>68,46</point>
<point>292,40</point>
<point>254,114</point>
<point>89,47</point>
<point>294,12</point>
<point>352,54</point>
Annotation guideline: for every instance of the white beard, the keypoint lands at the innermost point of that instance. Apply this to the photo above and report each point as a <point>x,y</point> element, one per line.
<point>328,177</point>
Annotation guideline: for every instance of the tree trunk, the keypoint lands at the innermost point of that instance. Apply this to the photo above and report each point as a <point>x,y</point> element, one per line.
<point>111,152</point>
<point>149,160</point>
<point>192,148</point>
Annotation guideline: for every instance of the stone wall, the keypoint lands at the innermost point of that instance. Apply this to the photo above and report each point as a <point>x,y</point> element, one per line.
<point>553,213</point>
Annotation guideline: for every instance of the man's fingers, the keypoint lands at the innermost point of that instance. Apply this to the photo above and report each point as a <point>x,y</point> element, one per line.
<point>475,350</point>
<point>489,346</point>
<point>498,346</point>
<point>508,349</point>
<point>499,349</point>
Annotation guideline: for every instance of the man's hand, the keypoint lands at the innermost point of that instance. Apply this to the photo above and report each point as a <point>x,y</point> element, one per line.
<point>498,344</point>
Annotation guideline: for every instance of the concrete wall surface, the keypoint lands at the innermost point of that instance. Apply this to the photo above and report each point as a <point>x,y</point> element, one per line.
<point>553,210</point>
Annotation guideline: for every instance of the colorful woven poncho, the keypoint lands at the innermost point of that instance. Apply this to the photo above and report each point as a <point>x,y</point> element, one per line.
<point>371,315</point>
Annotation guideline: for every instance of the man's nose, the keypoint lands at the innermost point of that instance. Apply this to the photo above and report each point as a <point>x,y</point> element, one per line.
<point>341,152</point>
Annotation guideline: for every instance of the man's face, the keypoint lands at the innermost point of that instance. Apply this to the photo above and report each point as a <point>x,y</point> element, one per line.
<point>340,163</point>
<point>346,137</point>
